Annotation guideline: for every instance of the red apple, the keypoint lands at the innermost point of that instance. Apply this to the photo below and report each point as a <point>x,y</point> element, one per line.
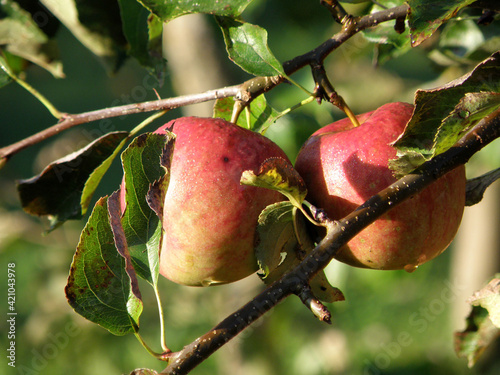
<point>209,218</point>
<point>344,165</point>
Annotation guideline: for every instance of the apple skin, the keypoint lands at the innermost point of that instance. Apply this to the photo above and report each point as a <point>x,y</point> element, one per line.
<point>209,218</point>
<point>344,165</point>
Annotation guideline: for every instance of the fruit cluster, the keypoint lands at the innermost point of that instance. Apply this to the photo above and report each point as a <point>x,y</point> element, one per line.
<point>210,219</point>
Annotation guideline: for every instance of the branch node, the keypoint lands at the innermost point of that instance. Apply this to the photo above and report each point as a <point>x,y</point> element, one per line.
<point>318,214</point>
<point>251,89</point>
<point>400,26</point>
<point>338,12</point>
<point>238,107</point>
<point>317,308</point>
<point>324,90</point>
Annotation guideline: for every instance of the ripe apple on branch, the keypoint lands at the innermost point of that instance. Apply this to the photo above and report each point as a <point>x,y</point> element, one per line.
<point>209,218</point>
<point>344,165</point>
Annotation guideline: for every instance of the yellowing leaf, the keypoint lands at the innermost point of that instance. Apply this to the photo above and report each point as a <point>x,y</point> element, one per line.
<point>278,174</point>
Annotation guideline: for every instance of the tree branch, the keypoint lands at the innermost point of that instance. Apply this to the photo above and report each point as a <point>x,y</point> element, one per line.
<point>351,28</point>
<point>69,120</point>
<point>338,234</point>
<point>245,92</point>
<point>315,57</point>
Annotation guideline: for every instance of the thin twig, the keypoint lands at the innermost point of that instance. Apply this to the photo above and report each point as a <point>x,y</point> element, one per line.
<point>324,89</point>
<point>356,25</point>
<point>352,26</point>
<point>70,120</point>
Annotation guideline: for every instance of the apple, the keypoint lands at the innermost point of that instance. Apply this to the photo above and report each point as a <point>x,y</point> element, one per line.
<point>343,165</point>
<point>209,218</point>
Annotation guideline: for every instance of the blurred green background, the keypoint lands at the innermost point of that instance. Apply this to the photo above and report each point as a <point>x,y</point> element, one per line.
<point>391,322</point>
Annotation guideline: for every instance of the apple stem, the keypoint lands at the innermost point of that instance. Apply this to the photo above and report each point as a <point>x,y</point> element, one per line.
<point>298,85</point>
<point>255,87</point>
<point>237,109</point>
<point>351,115</point>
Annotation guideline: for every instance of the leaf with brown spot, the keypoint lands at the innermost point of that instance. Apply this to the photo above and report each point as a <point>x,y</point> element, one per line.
<point>278,174</point>
<point>99,288</point>
<point>443,114</point>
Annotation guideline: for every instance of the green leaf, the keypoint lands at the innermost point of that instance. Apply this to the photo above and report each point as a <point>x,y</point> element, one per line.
<point>142,31</point>
<point>22,37</point>
<point>247,46</point>
<point>102,286</point>
<point>96,24</point>
<point>145,163</point>
<point>158,64</point>
<point>443,114</point>
<point>10,67</point>
<point>467,113</point>
<point>5,72</point>
<point>279,250</point>
<point>483,323</point>
<point>96,176</point>
<point>425,16</point>
<point>168,10</point>
<point>278,174</point>
<point>323,290</point>
<point>64,188</point>
<point>276,237</point>
<point>257,117</point>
